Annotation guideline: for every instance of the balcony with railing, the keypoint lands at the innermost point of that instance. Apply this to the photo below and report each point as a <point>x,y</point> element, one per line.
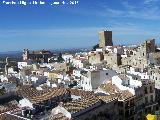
<point>153,103</point>
<point>129,105</point>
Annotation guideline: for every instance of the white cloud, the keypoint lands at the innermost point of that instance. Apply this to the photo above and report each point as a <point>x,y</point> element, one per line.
<point>147,13</point>
<point>109,12</point>
<point>150,1</point>
<point>118,28</point>
<point>127,5</point>
<point>126,10</point>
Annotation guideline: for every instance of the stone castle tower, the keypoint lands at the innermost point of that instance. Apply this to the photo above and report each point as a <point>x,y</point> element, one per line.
<point>105,38</point>
<point>147,47</point>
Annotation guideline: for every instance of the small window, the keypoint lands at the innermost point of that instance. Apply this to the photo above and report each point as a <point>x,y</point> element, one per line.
<point>151,89</point>
<point>151,98</point>
<point>146,91</point>
<point>146,99</point>
<point>143,54</point>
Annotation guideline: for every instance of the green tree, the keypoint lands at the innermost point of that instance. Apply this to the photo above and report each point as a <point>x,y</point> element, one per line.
<point>60,59</point>
<point>95,47</point>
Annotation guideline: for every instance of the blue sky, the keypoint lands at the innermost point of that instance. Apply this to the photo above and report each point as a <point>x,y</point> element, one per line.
<point>71,26</point>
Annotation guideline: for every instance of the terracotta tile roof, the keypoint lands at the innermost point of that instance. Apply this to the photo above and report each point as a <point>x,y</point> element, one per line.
<point>82,93</point>
<point>58,116</point>
<point>79,105</point>
<point>4,109</point>
<point>125,95</point>
<point>109,88</point>
<point>8,107</point>
<point>6,116</point>
<point>36,96</point>
<point>114,92</point>
<point>48,95</point>
<point>109,98</point>
<point>28,91</point>
<point>88,99</point>
<point>41,52</point>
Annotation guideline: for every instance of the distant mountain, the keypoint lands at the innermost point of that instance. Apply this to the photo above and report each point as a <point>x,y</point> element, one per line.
<point>17,55</point>
<point>11,52</point>
<point>14,55</point>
